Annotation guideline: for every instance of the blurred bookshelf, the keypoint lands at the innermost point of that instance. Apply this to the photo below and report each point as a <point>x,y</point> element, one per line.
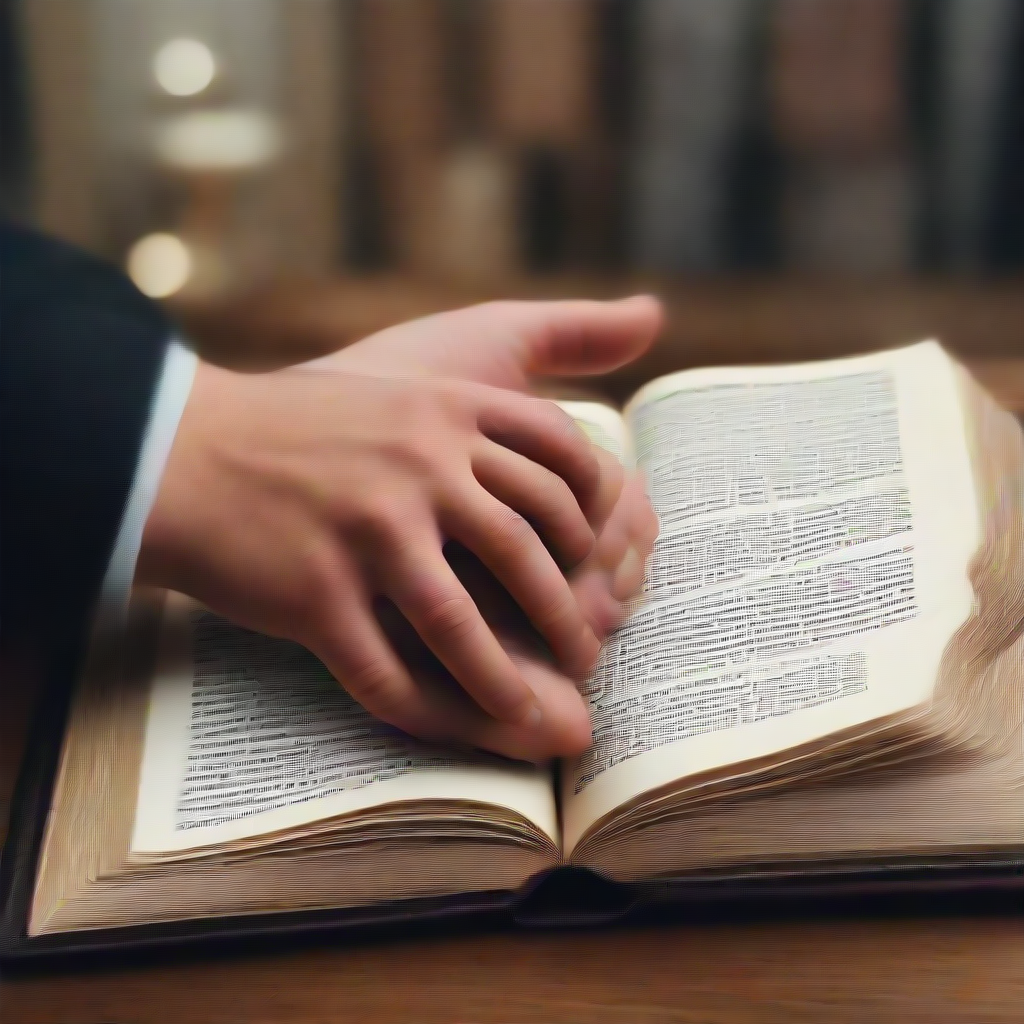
<point>797,179</point>
<point>484,140</point>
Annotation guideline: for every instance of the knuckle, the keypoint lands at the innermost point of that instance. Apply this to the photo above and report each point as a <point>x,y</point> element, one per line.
<point>556,495</point>
<point>372,684</point>
<point>434,451</point>
<point>452,619</point>
<point>561,509</point>
<point>509,530</point>
<point>557,610</point>
<point>587,465</point>
<point>577,446</point>
<point>382,518</point>
<point>557,499</point>
<point>568,425</point>
<point>611,469</point>
<point>418,405</point>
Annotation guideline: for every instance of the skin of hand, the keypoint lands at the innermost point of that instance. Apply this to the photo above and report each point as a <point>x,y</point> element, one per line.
<point>294,502</point>
<point>567,723</point>
<point>509,345</point>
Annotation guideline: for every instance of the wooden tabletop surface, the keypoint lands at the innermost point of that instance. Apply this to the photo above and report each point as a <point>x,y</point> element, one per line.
<point>922,970</point>
<point>928,969</point>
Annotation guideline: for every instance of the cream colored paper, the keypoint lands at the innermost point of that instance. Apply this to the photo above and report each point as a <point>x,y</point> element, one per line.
<point>903,659</point>
<point>526,790</point>
<point>604,426</point>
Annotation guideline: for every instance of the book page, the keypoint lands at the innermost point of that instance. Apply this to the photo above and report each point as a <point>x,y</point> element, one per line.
<point>248,735</point>
<point>603,425</point>
<point>816,525</point>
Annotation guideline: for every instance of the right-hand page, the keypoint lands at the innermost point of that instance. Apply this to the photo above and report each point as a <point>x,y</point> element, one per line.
<point>816,525</point>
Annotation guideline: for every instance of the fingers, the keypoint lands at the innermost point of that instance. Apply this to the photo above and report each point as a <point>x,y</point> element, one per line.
<point>631,524</point>
<point>584,337</point>
<point>564,728</point>
<point>428,593</point>
<point>567,727</point>
<point>509,547</point>
<point>348,640</point>
<point>643,517</point>
<point>540,496</point>
<point>616,569</point>
<point>637,528</point>
<point>591,587</point>
<point>609,487</point>
<point>543,433</point>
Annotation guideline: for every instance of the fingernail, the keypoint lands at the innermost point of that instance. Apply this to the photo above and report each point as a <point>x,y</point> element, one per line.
<point>628,576</point>
<point>533,717</point>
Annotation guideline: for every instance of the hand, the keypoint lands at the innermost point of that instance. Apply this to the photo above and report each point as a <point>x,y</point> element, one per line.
<point>510,344</point>
<point>606,573</point>
<point>615,570</point>
<point>270,512</point>
<point>291,500</point>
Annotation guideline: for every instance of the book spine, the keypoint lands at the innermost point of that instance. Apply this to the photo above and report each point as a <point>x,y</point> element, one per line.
<point>690,93</point>
<point>840,121</point>
<point>542,92</point>
<point>1006,213</point>
<point>976,50</point>
<point>605,185</point>
<point>14,154</point>
<point>59,43</point>
<point>399,82</point>
<point>478,243</point>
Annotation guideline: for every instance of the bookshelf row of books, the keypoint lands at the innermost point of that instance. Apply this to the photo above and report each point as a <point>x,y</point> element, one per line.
<point>485,138</point>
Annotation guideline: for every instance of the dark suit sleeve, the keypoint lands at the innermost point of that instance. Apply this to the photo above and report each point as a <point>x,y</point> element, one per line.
<point>81,351</point>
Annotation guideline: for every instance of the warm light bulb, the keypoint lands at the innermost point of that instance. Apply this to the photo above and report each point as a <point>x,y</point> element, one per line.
<point>184,67</point>
<point>160,264</point>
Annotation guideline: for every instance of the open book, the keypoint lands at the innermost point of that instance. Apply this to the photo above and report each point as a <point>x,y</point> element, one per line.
<point>826,667</point>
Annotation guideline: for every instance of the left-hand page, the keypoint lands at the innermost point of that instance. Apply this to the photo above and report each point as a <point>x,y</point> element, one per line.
<point>248,737</point>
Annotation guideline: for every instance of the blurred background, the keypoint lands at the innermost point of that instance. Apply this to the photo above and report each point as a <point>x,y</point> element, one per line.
<point>797,178</point>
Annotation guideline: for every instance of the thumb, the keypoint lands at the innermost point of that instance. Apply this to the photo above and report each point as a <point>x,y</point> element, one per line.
<point>580,336</point>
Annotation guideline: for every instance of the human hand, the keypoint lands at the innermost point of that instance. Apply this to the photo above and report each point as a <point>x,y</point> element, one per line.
<point>606,579</point>
<point>510,345</point>
<point>292,499</point>
<point>269,512</point>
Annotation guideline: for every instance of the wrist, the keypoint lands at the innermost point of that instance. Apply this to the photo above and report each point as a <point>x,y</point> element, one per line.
<point>167,549</point>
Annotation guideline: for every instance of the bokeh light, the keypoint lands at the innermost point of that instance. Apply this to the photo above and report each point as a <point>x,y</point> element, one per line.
<point>160,264</point>
<point>184,67</point>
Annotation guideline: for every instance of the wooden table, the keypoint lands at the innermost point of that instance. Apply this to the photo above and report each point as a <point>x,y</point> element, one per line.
<point>927,969</point>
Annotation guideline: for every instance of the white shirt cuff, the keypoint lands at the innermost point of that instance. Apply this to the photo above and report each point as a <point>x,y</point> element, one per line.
<point>168,404</point>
